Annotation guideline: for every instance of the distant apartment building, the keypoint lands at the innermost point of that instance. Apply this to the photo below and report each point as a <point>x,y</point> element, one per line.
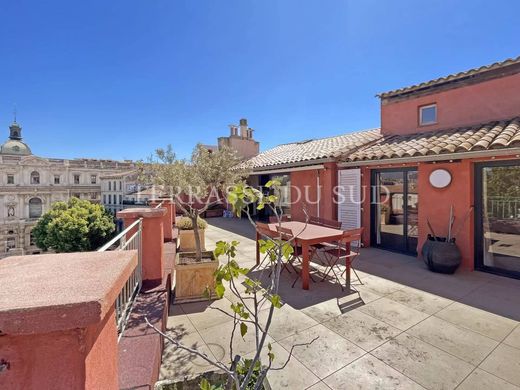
<point>116,187</point>
<point>29,185</point>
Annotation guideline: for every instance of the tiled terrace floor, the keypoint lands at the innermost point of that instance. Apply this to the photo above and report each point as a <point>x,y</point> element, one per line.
<point>408,328</point>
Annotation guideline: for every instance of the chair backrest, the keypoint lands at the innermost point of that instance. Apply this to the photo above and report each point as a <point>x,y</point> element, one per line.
<point>283,218</point>
<point>330,223</point>
<point>315,220</point>
<point>353,235</point>
<point>264,230</point>
<point>286,234</point>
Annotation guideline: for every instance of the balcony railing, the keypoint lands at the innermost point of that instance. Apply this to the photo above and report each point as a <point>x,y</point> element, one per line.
<point>133,285</point>
<point>503,207</point>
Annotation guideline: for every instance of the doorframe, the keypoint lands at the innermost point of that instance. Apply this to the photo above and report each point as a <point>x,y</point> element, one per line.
<point>373,214</point>
<point>478,221</point>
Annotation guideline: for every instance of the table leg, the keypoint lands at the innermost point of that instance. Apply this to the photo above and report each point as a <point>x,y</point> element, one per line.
<point>257,249</point>
<point>305,266</point>
<point>347,268</point>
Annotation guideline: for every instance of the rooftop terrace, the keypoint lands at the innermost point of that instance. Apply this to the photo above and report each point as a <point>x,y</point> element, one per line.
<point>405,327</point>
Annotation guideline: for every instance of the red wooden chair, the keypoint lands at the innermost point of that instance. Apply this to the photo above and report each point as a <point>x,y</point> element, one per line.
<point>348,250</point>
<point>286,234</point>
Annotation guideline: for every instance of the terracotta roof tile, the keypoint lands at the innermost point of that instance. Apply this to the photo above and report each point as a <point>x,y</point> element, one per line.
<point>493,135</point>
<point>313,149</point>
<point>450,78</point>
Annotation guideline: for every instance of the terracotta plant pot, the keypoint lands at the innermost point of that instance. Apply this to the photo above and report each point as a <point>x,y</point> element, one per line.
<point>192,277</point>
<point>187,240</point>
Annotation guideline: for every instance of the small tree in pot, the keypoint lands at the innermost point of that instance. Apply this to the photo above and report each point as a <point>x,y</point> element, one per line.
<point>187,235</point>
<point>195,184</point>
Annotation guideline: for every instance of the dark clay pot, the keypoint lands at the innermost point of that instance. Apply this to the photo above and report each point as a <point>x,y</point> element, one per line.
<point>441,256</point>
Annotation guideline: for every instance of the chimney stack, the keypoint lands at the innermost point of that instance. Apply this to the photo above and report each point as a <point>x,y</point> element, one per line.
<point>233,129</point>
<point>243,128</point>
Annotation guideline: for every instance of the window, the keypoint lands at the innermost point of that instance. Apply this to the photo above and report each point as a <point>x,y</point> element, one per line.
<point>120,199</point>
<point>35,177</point>
<point>76,179</point>
<point>120,186</point>
<point>93,196</point>
<point>115,188</point>
<point>110,186</point>
<point>109,199</point>
<point>10,179</point>
<point>428,115</point>
<point>10,243</point>
<point>56,179</point>
<point>35,208</point>
<point>93,179</point>
<point>76,195</point>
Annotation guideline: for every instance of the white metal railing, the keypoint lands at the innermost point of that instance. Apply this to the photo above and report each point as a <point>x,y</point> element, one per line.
<point>126,297</point>
<point>503,207</point>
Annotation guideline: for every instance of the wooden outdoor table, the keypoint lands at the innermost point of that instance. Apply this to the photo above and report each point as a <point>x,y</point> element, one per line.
<point>305,237</point>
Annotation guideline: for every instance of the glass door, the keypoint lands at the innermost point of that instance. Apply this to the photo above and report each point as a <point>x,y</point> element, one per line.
<point>395,203</point>
<point>497,217</point>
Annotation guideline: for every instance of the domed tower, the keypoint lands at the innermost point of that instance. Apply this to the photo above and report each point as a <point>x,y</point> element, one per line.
<point>15,145</point>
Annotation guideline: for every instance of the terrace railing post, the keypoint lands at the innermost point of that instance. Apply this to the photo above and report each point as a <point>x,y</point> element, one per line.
<point>169,217</point>
<point>152,240</point>
<point>58,328</point>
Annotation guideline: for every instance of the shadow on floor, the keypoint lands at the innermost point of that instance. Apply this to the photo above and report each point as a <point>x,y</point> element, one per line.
<point>240,226</point>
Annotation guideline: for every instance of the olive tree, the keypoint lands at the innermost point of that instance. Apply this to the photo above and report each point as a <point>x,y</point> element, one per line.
<point>197,183</point>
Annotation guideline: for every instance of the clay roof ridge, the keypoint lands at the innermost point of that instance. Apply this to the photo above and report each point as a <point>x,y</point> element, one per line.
<point>451,77</point>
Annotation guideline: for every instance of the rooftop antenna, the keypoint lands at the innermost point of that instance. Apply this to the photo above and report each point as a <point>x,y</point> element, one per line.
<point>14,113</point>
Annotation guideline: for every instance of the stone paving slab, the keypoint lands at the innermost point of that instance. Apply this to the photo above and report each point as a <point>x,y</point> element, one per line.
<point>422,362</point>
<point>370,373</point>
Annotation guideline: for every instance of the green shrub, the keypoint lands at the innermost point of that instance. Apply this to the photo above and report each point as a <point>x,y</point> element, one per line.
<point>184,223</point>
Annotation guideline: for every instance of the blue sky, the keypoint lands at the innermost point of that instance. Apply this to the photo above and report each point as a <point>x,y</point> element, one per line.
<point>116,79</point>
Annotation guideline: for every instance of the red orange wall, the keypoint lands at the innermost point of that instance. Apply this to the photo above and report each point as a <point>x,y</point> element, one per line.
<point>434,204</point>
<point>471,104</point>
<point>70,359</point>
<point>303,182</point>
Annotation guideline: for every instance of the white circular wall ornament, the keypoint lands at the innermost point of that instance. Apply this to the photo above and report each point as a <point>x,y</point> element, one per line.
<point>440,178</point>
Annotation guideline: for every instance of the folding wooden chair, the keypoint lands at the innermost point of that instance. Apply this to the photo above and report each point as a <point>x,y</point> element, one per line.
<point>343,251</point>
<point>315,220</point>
<point>318,248</point>
<point>330,223</point>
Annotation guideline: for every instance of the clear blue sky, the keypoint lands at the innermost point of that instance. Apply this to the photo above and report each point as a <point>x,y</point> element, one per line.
<point>118,78</point>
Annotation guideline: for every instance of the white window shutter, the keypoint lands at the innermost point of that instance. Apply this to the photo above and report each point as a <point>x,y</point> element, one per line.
<point>349,198</point>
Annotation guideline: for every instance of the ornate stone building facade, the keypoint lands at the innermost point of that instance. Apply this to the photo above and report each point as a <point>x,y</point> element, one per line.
<point>30,184</point>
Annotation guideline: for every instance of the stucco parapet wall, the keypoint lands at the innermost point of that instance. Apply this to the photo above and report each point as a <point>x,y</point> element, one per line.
<point>52,292</point>
<point>141,212</point>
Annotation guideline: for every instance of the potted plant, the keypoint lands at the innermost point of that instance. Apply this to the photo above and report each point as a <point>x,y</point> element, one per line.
<point>196,185</point>
<point>187,233</point>
<point>441,254</point>
<point>248,307</point>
